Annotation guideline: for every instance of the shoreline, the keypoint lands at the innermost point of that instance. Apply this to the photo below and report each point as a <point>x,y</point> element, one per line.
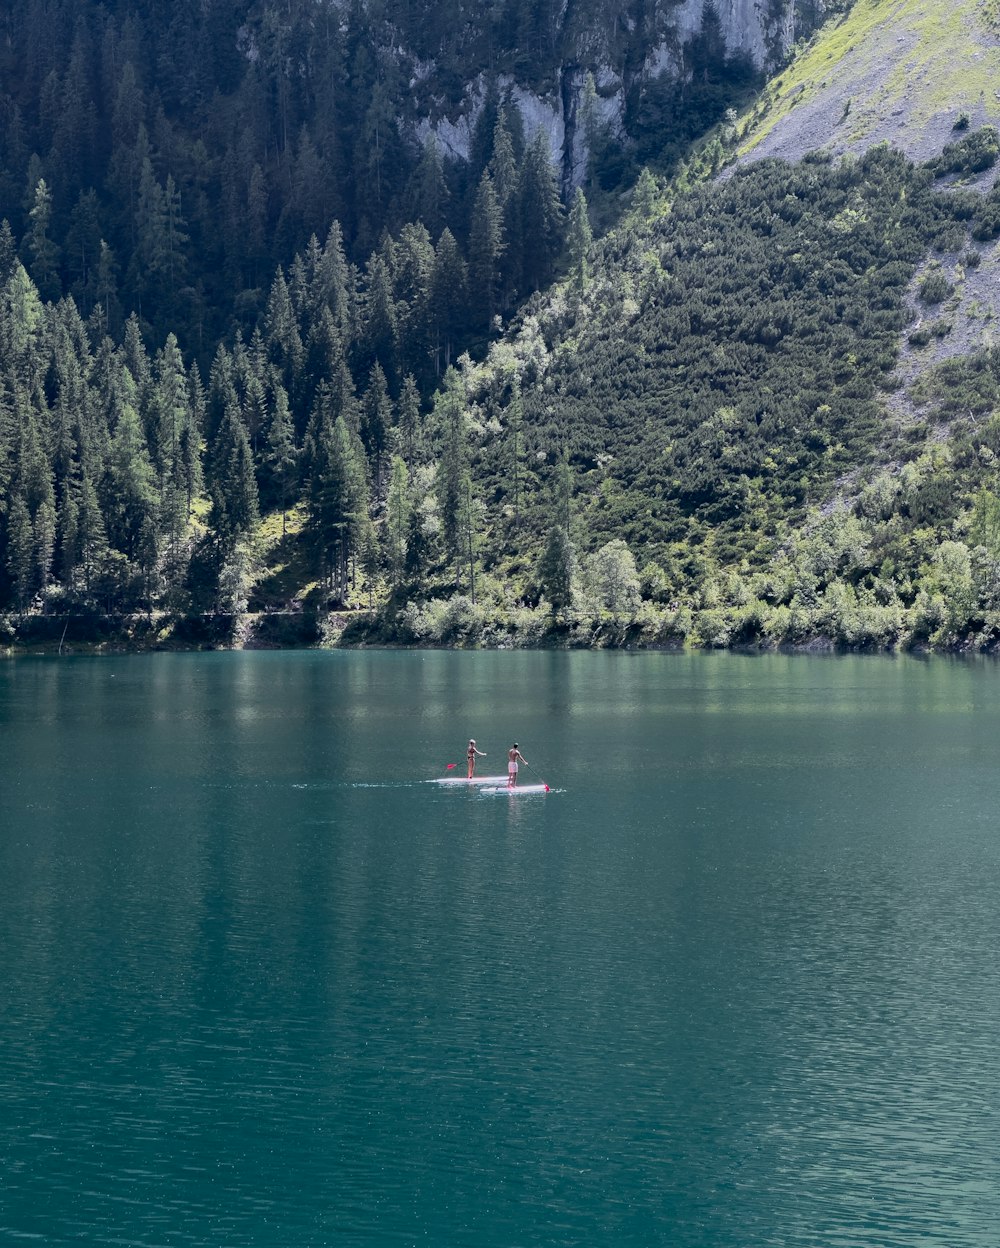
<point>53,636</point>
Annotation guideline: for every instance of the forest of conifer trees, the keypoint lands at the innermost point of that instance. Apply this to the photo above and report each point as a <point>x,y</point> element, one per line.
<point>232,280</point>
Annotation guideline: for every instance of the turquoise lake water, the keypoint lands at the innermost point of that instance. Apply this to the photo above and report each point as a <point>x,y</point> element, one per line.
<point>734,983</point>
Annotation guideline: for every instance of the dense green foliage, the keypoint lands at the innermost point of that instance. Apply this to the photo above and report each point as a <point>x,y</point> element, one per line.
<point>238,301</point>
<point>243,184</point>
<point>189,150</point>
<point>718,381</point>
<point>164,161</point>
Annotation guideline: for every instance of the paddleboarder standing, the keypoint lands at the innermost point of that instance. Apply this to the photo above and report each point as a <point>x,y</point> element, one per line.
<point>472,754</point>
<point>514,756</point>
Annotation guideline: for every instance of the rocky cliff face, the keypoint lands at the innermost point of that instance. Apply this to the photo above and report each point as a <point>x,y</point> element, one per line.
<point>624,46</point>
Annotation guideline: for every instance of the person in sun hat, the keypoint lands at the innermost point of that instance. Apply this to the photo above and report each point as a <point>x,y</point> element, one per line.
<point>472,754</point>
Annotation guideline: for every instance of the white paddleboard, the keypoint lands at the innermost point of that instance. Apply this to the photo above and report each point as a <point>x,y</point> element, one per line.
<point>518,788</point>
<point>465,780</point>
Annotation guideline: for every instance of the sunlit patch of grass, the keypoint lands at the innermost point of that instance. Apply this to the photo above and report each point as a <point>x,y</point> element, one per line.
<point>274,526</point>
<point>940,73</point>
<point>939,64</point>
<point>198,519</point>
<point>286,574</point>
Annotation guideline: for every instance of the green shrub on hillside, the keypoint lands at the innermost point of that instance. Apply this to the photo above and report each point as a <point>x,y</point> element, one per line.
<point>935,287</point>
<point>974,154</point>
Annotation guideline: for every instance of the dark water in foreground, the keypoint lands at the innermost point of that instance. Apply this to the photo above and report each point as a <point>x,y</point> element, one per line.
<point>738,984</point>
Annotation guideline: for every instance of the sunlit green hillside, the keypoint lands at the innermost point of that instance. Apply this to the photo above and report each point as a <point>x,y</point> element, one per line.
<point>900,71</point>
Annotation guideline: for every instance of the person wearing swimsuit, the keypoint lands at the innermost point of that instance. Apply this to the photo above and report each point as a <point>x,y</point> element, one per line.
<point>472,753</point>
<point>514,756</point>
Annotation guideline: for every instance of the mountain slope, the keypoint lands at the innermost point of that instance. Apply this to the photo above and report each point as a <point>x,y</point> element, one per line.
<point>780,388</point>
<point>897,71</point>
<point>760,410</point>
<point>918,76</point>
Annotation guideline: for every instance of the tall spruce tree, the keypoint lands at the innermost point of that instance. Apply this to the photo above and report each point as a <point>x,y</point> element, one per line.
<point>448,305</point>
<point>397,518</point>
<point>578,241</point>
<point>42,250</point>
<point>129,487</point>
<point>235,503</point>
<point>337,501</point>
<point>453,465</point>
<point>486,248</point>
<point>540,215</point>
<point>377,422</point>
<point>281,459</point>
<point>555,570</point>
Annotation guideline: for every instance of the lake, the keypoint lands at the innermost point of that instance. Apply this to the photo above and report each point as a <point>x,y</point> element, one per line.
<point>735,982</point>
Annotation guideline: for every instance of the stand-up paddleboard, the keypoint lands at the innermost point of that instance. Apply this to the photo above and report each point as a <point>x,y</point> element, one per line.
<point>466,781</point>
<point>516,789</point>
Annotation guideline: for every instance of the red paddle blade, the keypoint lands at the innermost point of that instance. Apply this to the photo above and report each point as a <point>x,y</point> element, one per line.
<point>450,765</point>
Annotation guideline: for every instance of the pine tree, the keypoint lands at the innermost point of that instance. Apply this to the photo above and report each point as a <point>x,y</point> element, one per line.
<point>562,495</point>
<point>486,247</point>
<point>644,195</point>
<point>20,550</point>
<point>540,215</point>
<point>429,194</point>
<point>481,144</point>
<point>381,329</point>
<point>502,166</point>
<point>448,299</point>
<point>310,192</point>
<point>378,154</point>
<point>503,172</point>
<point>281,459</point>
<point>556,570</point>
<point>336,286</point>
<point>471,517</point>
<point>136,360</point>
<point>578,241</point>
<point>191,437</point>
<point>410,428</point>
<point>589,126</point>
<point>281,331</point>
<point>376,422</point>
<point>106,290</point>
<point>235,507</point>
<point>412,274</point>
<point>171,439</point>
<point>515,423</point>
<point>343,399</point>
<point>83,249</point>
<point>418,549</point>
<point>129,488</point>
<point>44,540</point>
<point>21,329</point>
<point>453,464</point>
<point>369,555</point>
<point>257,222</point>
<point>156,260</point>
<point>42,252</point>
<point>8,251</point>
<point>128,140</point>
<point>398,508</point>
<point>337,500</point>
<point>91,539</point>
<point>176,238</point>
<point>68,540</point>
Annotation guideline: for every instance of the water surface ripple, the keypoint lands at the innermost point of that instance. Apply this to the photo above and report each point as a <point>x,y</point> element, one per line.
<point>734,985</point>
